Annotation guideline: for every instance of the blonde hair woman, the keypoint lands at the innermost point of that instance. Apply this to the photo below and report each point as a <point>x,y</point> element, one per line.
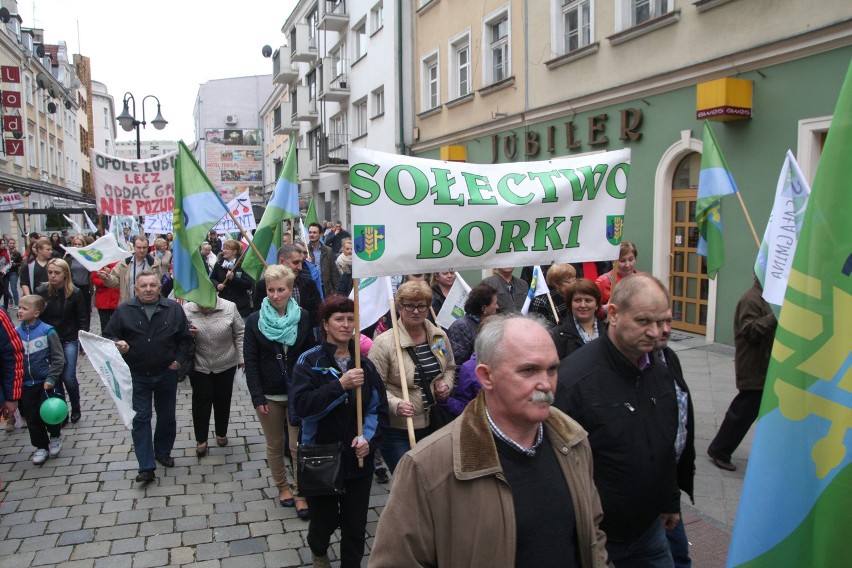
<point>66,311</point>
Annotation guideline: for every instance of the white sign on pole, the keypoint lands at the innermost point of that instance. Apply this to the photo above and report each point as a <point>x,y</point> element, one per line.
<point>113,371</point>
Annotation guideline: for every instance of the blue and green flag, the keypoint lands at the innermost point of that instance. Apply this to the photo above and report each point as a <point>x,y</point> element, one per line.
<point>198,208</point>
<point>794,508</point>
<point>311,215</point>
<point>714,182</point>
<point>284,204</point>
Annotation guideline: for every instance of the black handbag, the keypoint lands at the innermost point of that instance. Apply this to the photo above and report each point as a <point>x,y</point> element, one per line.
<point>320,469</point>
<point>438,415</point>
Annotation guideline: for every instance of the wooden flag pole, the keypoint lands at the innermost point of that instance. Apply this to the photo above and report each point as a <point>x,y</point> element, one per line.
<point>748,220</point>
<point>246,237</point>
<point>434,315</point>
<point>360,411</point>
<point>403,380</point>
<point>552,307</point>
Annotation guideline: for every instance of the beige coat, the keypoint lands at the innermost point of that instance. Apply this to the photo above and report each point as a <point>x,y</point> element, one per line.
<point>451,505</point>
<point>383,355</point>
<point>119,277</point>
<point>219,340</point>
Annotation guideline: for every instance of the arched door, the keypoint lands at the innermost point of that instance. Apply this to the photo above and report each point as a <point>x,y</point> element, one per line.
<point>688,280</point>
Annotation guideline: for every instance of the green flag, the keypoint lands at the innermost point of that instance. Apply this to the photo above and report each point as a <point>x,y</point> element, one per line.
<point>794,509</point>
<point>198,208</point>
<point>714,182</point>
<point>311,216</point>
<point>284,204</point>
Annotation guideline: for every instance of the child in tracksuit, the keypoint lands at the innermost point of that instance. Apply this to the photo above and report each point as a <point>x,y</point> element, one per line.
<point>43,363</point>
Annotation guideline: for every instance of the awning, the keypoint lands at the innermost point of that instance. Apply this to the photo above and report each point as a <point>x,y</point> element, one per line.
<point>19,184</point>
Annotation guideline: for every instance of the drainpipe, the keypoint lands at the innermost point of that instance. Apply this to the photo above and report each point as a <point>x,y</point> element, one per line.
<point>399,82</point>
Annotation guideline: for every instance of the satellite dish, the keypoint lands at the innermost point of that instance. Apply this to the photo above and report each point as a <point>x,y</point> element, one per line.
<point>42,81</point>
<point>266,51</point>
<point>40,50</point>
<point>52,92</point>
<point>5,16</point>
<point>67,104</point>
<point>51,107</point>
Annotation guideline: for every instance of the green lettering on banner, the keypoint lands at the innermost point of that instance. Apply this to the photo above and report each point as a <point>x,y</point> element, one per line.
<point>575,232</point>
<point>508,194</point>
<point>429,234</point>
<point>512,236</point>
<point>393,188</point>
<point>441,189</point>
<point>547,231</point>
<point>489,236</point>
<point>612,181</point>
<point>476,184</point>
<point>547,183</point>
<point>590,185</point>
<point>357,181</point>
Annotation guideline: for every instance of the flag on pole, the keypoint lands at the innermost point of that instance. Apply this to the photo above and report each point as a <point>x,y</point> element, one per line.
<point>100,253</point>
<point>198,207</point>
<point>311,216</point>
<point>453,307</point>
<point>538,287</point>
<point>794,509</point>
<point>284,204</point>
<point>74,224</point>
<point>113,371</point>
<point>775,257</point>
<point>374,294</point>
<point>92,227</point>
<point>117,230</point>
<point>714,182</point>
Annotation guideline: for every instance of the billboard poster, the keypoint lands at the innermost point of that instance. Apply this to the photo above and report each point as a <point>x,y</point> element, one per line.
<point>234,162</point>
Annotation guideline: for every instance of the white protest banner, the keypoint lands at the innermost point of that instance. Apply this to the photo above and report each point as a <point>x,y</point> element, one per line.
<point>95,256</point>
<point>416,215</point>
<point>373,299</point>
<point>107,361</point>
<point>453,307</point>
<point>775,257</point>
<point>9,201</point>
<point>240,206</point>
<point>158,223</point>
<point>134,187</point>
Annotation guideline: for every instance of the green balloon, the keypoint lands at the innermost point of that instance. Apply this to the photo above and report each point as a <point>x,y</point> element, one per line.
<point>53,410</point>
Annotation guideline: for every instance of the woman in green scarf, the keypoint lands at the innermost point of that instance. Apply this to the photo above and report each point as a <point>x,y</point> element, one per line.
<point>275,337</point>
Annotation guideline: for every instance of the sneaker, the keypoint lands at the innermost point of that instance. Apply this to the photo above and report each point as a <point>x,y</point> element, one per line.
<point>382,475</point>
<point>10,424</point>
<point>39,457</point>
<point>55,446</point>
<point>145,476</point>
<point>75,416</point>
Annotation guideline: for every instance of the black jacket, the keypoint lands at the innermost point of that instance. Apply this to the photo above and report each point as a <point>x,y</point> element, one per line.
<point>566,337</point>
<point>154,344</point>
<point>236,289</point>
<point>686,464</point>
<point>67,315</point>
<point>316,389</point>
<point>263,371</point>
<point>631,417</point>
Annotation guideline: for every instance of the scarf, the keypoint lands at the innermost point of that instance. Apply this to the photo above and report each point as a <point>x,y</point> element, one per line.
<point>344,264</point>
<point>279,328</point>
<point>228,264</point>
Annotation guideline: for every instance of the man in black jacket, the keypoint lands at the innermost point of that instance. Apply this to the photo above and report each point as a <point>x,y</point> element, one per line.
<point>626,402</point>
<point>305,292</point>
<point>152,334</point>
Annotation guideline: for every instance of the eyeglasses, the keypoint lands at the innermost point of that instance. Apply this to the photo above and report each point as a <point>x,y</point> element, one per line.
<point>415,307</point>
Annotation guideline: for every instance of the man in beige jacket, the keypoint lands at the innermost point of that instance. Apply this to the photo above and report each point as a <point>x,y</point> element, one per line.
<point>509,483</point>
<point>123,275</point>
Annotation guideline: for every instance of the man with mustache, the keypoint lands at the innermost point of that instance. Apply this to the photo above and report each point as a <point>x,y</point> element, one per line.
<point>509,482</point>
<point>625,399</point>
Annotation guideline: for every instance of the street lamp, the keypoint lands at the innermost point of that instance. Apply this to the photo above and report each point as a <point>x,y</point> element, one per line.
<point>128,121</point>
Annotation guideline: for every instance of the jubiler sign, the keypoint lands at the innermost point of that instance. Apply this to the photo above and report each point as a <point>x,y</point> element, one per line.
<point>414,215</point>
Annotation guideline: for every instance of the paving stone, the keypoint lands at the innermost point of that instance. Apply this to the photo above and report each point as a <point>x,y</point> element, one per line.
<point>161,513</point>
<point>27,530</point>
<point>102,520</point>
<point>89,563</point>
<point>191,538</point>
<point>151,558</point>
<point>36,543</point>
<point>282,558</point>
<point>10,546</point>
<point>181,555</point>
<point>156,527</point>
<point>118,531</point>
<point>24,560</point>
<point>68,500</point>
<point>266,528</point>
<point>234,532</point>
<point>222,520</point>
<point>118,561</point>
<point>90,550</point>
<point>77,537</point>
<point>249,561</point>
<point>133,516</point>
<point>52,556</point>
<point>160,541</point>
<point>213,550</point>
<point>249,546</point>
<point>286,540</point>
<point>128,545</point>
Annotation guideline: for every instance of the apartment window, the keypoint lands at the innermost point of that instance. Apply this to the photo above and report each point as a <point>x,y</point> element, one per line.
<point>431,85</point>
<point>576,24</point>
<point>460,62</point>
<point>311,81</point>
<point>379,102</point>
<point>28,89</point>
<point>60,163</point>
<point>359,35</point>
<point>360,109</point>
<point>497,44</point>
<point>377,17</point>
<point>313,23</point>
<point>631,13</point>
<point>43,154</point>
<point>31,149</point>
<point>106,118</point>
<point>337,136</point>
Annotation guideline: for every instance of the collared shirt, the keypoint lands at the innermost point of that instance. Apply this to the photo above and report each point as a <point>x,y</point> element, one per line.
<point>501,435</point>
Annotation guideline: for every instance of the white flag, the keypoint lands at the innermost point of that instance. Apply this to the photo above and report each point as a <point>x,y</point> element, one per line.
<point>74,224</point>
<point>374,294</point>
<point>538,287</point>
<point>107,361</point>
<point>775,257</point>
<point>92,227</point>
<point>453,307</point>
<point>95,256</point>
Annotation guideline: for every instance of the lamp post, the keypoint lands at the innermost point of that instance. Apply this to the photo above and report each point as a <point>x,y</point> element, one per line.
<point>128,121</point>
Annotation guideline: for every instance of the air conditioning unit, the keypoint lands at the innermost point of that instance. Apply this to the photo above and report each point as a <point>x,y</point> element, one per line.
<point>231,120</point>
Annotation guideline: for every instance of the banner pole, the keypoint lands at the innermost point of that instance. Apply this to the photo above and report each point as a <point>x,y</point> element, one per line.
<point>552,307</point>
<point>403,380</point>
<point>748,220</point>
<point>359,410</point>
<point>246,237</point>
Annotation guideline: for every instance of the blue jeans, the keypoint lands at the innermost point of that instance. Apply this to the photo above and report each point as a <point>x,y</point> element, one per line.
<point>649,550</point>
<point>396,444</point>
<point>162,389</point>
<point>68,378</point>
<point>679,546</point>
<point>12,287</point>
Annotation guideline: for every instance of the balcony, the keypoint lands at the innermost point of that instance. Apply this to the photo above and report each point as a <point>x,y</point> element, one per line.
<point>303,44</point>
<point>333,16</point>
<point>284,71</point>
<point>334,153</point>
<point>335,79</point>
<point>308,170</point>
<point>282,123</point>
<point>304,107</point>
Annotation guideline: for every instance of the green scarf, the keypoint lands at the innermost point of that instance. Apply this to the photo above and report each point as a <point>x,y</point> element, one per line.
<point>280,328</point>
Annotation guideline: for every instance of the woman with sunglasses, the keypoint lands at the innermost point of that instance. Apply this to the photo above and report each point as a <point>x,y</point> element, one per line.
<point>429,369</point>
